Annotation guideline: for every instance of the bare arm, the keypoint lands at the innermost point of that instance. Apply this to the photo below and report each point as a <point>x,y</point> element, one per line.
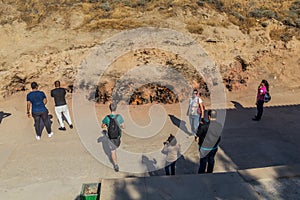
<point>45,101</point>
<point>28,109</point>
<point>103,126</point>
<point>202,111</point>
<point>122,126</point>
<point>188,110</point>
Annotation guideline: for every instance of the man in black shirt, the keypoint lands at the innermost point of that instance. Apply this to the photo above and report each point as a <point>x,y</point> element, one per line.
<point>61,107</point>
<point>209,134</point>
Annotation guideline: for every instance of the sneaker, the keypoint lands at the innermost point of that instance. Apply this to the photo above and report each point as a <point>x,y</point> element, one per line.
<point>62,128</point>
<point>116,168</point>
<point>255,119</point>
<point>50,134</point>
<point>71,126</point>
<point>38,137</point>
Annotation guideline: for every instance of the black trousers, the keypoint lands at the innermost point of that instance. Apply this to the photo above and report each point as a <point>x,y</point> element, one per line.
<point>172,166</point>
<point>208,161</point>
<point>260,109</point>
<point>41,117</point>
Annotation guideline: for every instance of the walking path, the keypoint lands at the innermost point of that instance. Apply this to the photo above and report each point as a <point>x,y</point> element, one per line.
<point>55,168</point>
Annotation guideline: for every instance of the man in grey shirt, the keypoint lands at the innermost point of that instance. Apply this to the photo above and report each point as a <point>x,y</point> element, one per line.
<point>61,107</point>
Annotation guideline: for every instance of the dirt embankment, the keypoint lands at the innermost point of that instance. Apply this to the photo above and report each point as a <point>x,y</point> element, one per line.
<point>47,40</point>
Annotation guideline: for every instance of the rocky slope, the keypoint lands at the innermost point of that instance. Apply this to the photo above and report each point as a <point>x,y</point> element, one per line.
<point>47,40</point>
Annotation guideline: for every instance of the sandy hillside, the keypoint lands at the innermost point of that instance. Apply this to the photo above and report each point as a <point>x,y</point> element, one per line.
<point>45,41</point>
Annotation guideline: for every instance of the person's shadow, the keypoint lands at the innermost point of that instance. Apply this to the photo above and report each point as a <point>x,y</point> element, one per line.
<point>150,164</point>
<point>105,145</point>
<point>3,115</point>
<point>180,124</point>
<point>237,105</point>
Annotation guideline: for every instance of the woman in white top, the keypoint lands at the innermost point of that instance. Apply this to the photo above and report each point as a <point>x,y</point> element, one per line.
<point>195,111</point>
<point>172,149</point>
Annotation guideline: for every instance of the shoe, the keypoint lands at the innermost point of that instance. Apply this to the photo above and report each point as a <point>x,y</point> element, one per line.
<point>71,126</point>
<point>38,137</point>
<point>116,168</point>
<point>50,134</point>
<point>62,128</point>
<point>255,119</point>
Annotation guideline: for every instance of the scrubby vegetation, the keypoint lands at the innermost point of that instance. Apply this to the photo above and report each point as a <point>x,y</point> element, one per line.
<point>125,14</point>
<point>266,29</point>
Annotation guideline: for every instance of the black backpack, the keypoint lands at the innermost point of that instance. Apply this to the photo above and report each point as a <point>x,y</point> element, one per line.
<point>113,129</point>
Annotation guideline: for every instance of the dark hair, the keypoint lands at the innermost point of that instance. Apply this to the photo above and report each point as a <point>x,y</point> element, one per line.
<point>172,140</point>
<point>113,106</point>
<point>57,83</point>
<point>265,82</point>
<point>212,113</point>
<point>34,85</point>
<point>195,90</point>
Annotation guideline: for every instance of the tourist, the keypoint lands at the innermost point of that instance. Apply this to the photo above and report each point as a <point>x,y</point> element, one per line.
<point>209,139</point>
<point>114,123</point>
<point>263,88</point>
<point>172,150</point>
<point>37,100</point>
<point>61,108</point>
<point>195,111</point>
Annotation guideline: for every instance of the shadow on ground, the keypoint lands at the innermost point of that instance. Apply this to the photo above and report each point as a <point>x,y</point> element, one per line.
<point>270,142</point>
<point>273,141</point>
<point>3,115</point>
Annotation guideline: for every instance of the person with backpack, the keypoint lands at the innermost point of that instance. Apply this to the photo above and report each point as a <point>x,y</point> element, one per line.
<point>114,123</point>
<point>209,138</point>
<point>195,112</point>
<point>262,90</point>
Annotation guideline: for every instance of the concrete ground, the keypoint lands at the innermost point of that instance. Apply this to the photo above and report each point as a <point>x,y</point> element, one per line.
<point>281,182</point>
<point>55,168</point>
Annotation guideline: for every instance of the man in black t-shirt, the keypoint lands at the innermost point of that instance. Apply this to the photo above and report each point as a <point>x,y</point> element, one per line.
<point>209,138</point>
<point>61,107</point>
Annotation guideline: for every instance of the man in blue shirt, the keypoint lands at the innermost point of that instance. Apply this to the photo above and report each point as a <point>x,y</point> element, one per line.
<point>114,142</point>
<point>37,100</point>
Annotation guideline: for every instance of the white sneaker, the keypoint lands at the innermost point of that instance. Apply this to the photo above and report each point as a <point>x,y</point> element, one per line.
<point>38,137</point>
<point>50,134</point>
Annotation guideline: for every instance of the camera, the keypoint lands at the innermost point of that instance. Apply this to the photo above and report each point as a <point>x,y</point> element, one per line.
<point>170,138</point>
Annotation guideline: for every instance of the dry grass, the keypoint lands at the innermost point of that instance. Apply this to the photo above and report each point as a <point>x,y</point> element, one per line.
<point>284,35</point>
<point>99,13</point>
<point>114,24</point>
<point>194,27</point>
<point>243,13</point>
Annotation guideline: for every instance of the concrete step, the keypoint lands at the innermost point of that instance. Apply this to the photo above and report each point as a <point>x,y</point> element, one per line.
<point>227,185</point>
<point>182,187</point>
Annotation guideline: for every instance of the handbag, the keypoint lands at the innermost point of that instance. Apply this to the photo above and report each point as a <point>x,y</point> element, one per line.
<point>267,97</point>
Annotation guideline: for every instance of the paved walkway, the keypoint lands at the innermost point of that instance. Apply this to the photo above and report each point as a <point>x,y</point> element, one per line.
<point>262,183</point>
<point>55,168</point>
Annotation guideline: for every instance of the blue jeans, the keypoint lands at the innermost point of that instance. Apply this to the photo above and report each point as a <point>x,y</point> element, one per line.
<point>209,161</point>
<point>194,122</point>
<point>168,166</point>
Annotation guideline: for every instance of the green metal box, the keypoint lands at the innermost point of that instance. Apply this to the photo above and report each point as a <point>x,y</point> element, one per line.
<point>90,191</point>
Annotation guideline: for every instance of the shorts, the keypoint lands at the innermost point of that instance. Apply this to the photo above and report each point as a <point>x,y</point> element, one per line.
<point>114,143</point>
